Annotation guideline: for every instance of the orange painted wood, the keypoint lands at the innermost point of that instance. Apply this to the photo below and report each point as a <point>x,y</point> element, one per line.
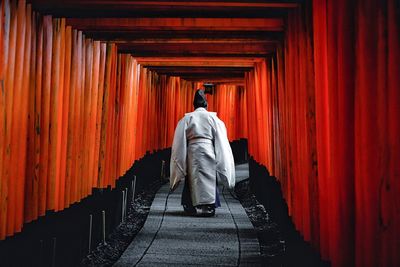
<point>118,109</point>
<point>37,120</point>
<point>128,145</point>
<point>93,111</point>
<point>86,116</point>
<point>60,122</point>
<point>114,125</point>
<point>77,128</point>
<point>139,137</point>
<point>111,77</point>
<point>23,131</point>
<point>105,117</point>
<point>134,113</point>
<point>81,179</point>
<point>108,127</point>
<point>148,106</point>
<point>135,82</point>
<point>121,117</point>
<point>17,117</point>
<point>30,151</point>
<point>87,111</point>
<point>138,117</point>
<point>55,91</point>
<point>127,118</point>
<point>113,174</point>
<point>99,115</point>
<point>65,116</point>
<point>2,35</point>
<point>124,127</point>
<point>45,113</point>
<point>60,37</point>
<point>130,126</point>
<point>71,134</point>
<point>3,54</point>
<point>4,79</point>
<point>7,185</point>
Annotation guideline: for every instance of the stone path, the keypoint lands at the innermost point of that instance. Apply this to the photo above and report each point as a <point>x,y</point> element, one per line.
<point>170,238</point>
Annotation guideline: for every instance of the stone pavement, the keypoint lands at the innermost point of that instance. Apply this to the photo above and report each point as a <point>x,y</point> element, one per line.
<point>170,238</point>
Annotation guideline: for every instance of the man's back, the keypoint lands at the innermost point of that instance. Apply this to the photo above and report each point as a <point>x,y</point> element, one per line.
<point>200,124</point>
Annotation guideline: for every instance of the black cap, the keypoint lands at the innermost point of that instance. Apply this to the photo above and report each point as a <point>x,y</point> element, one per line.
<point>200,100</point>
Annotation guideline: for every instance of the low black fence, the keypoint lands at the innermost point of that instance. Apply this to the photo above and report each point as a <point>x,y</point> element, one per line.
<point>239,150</point>
<point>62,238</point>
<point>267,190</point>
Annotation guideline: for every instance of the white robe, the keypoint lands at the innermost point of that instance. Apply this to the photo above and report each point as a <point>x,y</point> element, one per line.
<point>201,151</point>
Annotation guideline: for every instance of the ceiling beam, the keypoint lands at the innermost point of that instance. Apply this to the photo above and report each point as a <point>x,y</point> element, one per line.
<point>176,3</point>
<point>163,69</point>
<point>194,40</point>
<point>188,36</point>
<point>237,81</point>
<point>210,75</point>
<point>203,73</point>
<point>204,49</point>
<point>100,8</point>
<point>178,24</point>
<point>198,61</point>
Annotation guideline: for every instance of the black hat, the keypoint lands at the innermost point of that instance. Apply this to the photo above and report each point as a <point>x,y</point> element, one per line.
<point>200,99</point>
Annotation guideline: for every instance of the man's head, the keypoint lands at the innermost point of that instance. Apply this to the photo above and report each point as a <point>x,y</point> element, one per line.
<point>200,100</point>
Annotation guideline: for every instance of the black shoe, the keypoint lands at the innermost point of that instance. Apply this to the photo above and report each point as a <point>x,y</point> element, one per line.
<point>189,210</point>
<point>207,211</point>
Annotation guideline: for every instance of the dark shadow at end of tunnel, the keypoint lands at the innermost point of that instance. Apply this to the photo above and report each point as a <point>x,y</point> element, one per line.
<point>267,189</point>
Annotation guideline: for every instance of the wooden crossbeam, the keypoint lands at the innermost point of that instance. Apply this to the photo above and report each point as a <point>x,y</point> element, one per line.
<point>101,8</point>
<point>237,81</point>
<point>164,4</point>
<point>194,40</point>
<point>199,69</point>
<point>198,36</point>
<point>178,24</point>
<point>202,49</point>
<point>198,61</point>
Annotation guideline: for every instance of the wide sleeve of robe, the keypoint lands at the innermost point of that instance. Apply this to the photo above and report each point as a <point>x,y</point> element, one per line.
<point>223,155</point>
<point>178,154</point>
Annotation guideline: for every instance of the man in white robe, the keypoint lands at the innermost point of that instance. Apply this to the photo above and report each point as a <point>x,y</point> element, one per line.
<point>201,154</point>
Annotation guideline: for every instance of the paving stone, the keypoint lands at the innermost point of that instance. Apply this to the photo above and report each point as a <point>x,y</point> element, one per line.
<point>179,259</point>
